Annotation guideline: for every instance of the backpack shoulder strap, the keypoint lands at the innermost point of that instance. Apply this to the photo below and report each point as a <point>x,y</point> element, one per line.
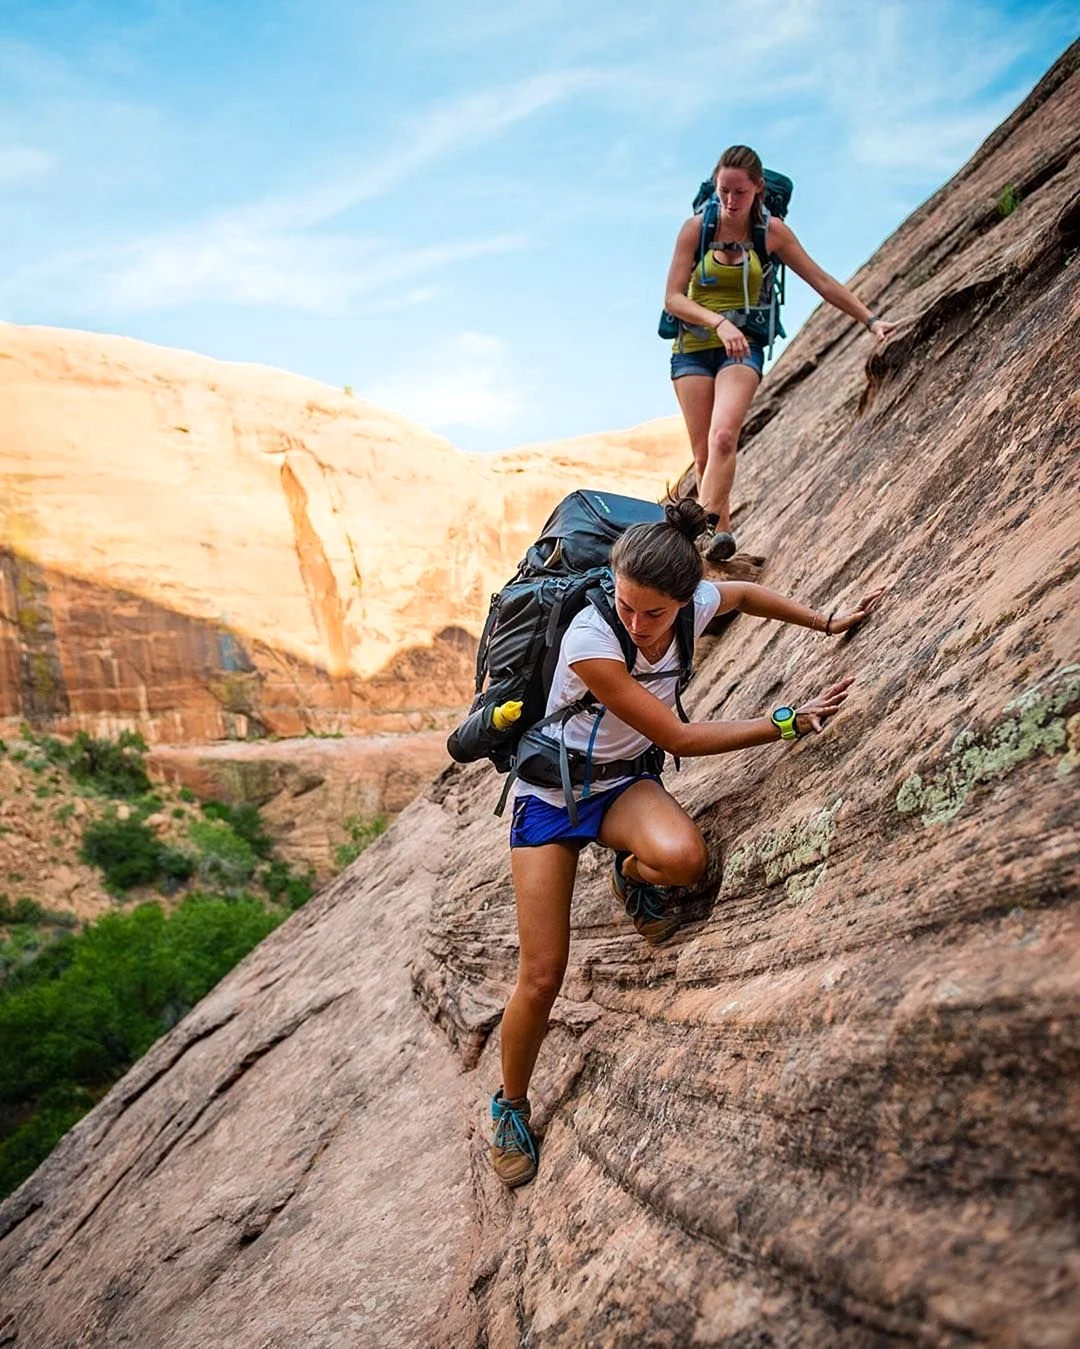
<point>598,598</point>
<point>760,237</point>
<point>710,215</point>
<point>684,636</point>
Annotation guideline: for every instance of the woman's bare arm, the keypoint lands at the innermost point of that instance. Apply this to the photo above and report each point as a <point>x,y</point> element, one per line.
<point>683,262</point>
<point>611,683</point>
<point>749,598</point>
<point>783,243</point>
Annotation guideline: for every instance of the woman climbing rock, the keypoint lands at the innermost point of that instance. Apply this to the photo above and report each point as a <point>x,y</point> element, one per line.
<point>657,572</point>
<point>716,365</point>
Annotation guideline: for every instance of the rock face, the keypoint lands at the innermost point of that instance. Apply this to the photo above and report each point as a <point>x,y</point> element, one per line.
<point>201,550</point>
<point>840,1109</point>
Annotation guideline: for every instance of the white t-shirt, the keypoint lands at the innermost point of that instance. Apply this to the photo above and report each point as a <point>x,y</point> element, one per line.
<point>589,637</point>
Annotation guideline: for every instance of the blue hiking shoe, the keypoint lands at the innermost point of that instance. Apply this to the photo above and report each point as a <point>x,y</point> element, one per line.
<point>645,905</point>
<point>513,1148</point>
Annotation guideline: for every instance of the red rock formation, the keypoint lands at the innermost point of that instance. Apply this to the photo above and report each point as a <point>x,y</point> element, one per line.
<point>307,790</point>
<point>200,550</point>
<point>840,1109</point>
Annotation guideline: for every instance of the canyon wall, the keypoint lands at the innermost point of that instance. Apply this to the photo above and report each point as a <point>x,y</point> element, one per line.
<point>203,550</point>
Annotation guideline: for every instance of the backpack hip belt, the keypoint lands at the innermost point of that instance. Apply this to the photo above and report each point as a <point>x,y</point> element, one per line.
<point>540,763</point>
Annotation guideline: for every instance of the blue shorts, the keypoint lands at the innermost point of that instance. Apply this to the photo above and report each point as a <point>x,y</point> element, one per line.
<point>712,360</point>
<point>535,822</point>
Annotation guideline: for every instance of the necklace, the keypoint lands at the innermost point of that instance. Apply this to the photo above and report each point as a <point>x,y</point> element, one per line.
<point>653,653</point>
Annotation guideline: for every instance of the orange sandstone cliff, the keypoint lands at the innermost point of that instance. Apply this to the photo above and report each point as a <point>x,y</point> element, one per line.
<point>202,550</point>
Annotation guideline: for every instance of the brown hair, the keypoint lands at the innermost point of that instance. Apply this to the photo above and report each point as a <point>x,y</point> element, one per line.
<point>662,555</point>
<point>742,157</point>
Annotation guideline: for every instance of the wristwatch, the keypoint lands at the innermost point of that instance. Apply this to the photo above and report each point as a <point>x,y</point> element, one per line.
<point>783,718</point>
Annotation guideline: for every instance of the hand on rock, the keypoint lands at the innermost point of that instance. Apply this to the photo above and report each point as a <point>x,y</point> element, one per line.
<point>812,716</point>
<point>844,622</point>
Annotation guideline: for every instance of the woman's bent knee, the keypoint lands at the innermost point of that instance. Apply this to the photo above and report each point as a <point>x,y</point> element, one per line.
<point>683,863</point>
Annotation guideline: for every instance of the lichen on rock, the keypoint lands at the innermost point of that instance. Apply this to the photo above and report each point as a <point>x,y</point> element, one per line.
<point>1034,722</point>
<point>795,855</point>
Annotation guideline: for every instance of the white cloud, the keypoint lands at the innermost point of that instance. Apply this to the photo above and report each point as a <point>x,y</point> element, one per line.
<point>269,253</point>
<point>228,263</point>
<point>939,143</point>
<point>465,382</point>
<point>917,86</point>
<point>440,132</point>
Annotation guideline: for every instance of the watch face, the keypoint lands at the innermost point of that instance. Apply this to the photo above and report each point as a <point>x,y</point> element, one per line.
<point>783,714</point>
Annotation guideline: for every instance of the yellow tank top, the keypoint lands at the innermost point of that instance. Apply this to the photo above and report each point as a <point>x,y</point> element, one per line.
<point>719,286</point>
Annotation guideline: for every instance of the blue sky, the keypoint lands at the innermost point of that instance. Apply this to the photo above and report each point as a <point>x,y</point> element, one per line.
<point>464,211</point>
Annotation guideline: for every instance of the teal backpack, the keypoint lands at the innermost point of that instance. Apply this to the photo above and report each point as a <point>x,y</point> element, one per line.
<point>760,322</point>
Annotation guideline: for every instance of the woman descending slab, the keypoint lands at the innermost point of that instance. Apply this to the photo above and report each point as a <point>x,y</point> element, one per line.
<point>723,319</point>
<point>657,572</point>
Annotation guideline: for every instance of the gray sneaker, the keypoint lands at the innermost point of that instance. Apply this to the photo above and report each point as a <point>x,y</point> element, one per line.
<point>720,547</point>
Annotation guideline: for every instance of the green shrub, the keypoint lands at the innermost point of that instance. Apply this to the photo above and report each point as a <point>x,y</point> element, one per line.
<point>24,910</point>
<point>175,867</point>
<point>224,859</point>
<point>362,834</point>
<point>245,821</point>
<point>285,886</point>
<point>29,1144</point>
<point>112,768</point>
<point>65,812</point>
<point>186,794</point>
<point>1008,201</point>
<point>73,1020</point>
<point>125,850</point>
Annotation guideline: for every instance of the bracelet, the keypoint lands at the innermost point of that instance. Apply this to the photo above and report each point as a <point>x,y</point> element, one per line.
<point>828,624</point>
<point>869,322</point>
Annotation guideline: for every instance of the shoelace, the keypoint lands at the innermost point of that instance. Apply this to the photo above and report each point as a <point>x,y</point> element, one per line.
<point>512,1132</point>
<point>645,901</point>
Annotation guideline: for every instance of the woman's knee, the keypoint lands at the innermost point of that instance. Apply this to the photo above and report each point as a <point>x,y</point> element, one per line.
<point>681,860</point>
<point>539,983</point>
<point>723,440</point>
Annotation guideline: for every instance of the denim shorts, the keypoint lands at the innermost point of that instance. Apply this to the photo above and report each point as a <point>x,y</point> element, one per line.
<point>536,822</point>
<point>712,360</point>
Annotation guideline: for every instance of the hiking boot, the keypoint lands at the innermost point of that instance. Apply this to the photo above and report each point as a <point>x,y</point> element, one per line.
<point>513,1148</point>
<point>719,547</point>
<point>645,905</point>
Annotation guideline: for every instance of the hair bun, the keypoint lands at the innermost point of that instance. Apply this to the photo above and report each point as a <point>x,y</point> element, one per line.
<point>687,516</point>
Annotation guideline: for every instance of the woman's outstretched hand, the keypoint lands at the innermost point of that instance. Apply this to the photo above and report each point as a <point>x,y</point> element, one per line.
<point>813,715</point>
<point>881,329</point>
<point>844,622</point>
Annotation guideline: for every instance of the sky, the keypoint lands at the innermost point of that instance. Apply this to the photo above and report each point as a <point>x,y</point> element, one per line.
<point>463,211</point>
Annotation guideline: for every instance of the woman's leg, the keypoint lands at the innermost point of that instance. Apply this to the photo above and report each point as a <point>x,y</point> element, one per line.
<point>695,395</point>
<point>544,885</point>
<point>667,845</point>
<point>734,390</point>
